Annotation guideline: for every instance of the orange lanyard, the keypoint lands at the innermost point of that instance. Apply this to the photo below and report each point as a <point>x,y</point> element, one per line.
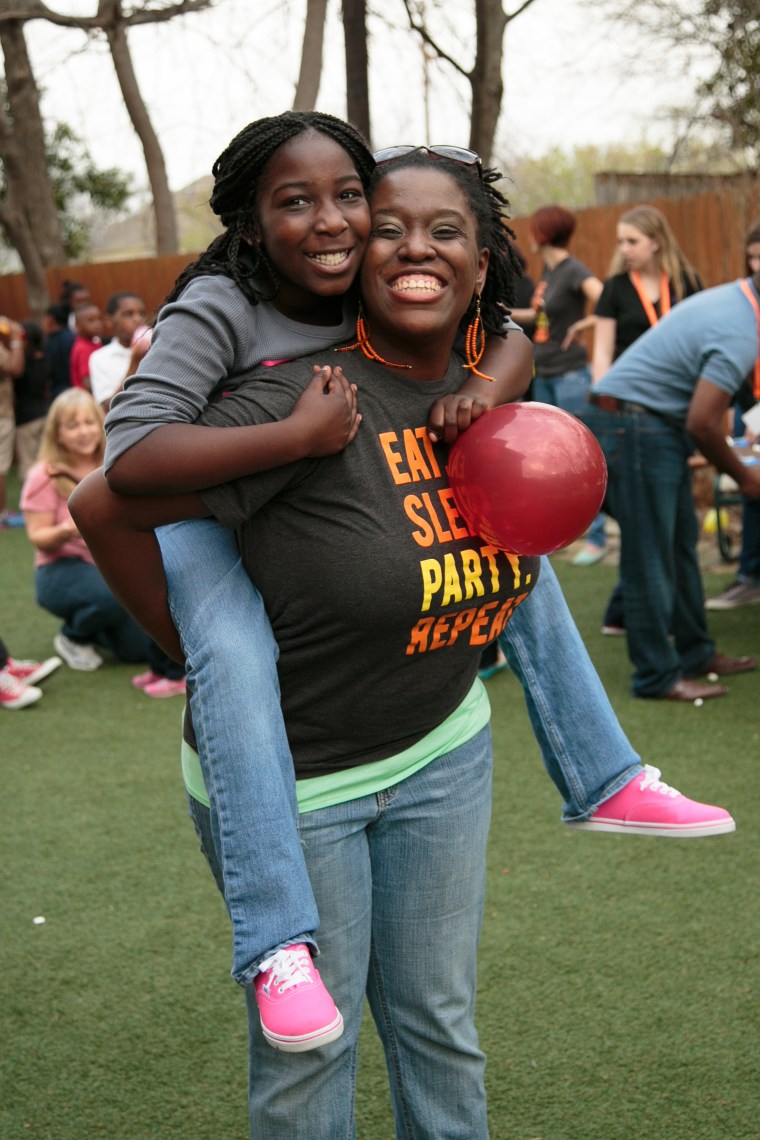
<point>646,300</point>
<point>748,292</point>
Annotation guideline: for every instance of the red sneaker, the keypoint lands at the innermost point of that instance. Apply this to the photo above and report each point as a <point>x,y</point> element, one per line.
<point>647,806</point>
<point>296,1011</point>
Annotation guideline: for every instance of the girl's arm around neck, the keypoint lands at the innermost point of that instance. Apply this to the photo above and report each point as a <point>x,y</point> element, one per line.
<point>510,361</point>
<point>176,458</point>
<point>119,532</point>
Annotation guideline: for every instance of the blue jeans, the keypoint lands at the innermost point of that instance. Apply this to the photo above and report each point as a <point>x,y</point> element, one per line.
<point>74,590</point>
<point>400,881</point>
<point>234,692</point>
<point>649,493</point>
<point>569,391</point>
<point>244,754</point>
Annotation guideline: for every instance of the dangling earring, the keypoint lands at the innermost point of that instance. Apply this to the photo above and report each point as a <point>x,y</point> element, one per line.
<point>362,342</point>
<point>475,343</point>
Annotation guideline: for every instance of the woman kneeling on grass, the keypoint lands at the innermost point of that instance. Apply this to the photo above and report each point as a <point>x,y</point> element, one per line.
<point>68,583</point>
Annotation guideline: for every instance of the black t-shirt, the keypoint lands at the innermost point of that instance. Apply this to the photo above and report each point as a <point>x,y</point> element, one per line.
<point>620,301</point>
<point>564,304</point>
<point>33,389</point>
<point>380,598</point>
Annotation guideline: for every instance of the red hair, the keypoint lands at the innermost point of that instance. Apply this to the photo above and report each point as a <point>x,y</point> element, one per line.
<point>552,225</point>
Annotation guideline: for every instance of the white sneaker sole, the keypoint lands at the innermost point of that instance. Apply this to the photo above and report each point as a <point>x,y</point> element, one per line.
<point>45,669</point>
<point>661,830</point>
<point>306,1042</point>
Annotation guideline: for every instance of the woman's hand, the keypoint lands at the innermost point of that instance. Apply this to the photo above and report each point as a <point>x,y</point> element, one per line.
<point>576,331</point>
<point>451,415</point>
<point>326,414</point>
<point>54,469</point>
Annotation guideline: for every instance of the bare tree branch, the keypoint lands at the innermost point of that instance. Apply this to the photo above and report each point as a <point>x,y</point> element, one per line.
<point>425,36</point>
<point>36,10</point>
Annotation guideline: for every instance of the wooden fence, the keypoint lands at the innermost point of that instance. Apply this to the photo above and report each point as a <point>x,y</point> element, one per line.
<point>710,228</point>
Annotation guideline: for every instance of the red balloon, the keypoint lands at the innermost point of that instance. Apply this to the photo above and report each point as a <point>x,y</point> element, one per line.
<point>528,478</point>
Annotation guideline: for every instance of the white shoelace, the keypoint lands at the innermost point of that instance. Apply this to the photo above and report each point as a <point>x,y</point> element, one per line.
<point>652,780</point>
<point>289,968</point>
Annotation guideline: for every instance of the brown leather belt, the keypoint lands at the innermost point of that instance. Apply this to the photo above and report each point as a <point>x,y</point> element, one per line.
<point>613,404</point>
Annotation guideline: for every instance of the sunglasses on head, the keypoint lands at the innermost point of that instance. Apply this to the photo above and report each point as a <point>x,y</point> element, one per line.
<point>458,154</point>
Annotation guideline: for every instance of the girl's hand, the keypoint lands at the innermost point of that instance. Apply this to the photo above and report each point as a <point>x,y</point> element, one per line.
<point>452,415</point>
<point>326,413</point>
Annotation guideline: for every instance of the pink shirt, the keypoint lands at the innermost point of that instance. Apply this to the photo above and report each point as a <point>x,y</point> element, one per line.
<point>40,494</point>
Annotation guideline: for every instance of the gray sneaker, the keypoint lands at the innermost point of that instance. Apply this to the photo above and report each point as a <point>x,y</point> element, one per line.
<point>739,594</point>
<point>77,656</point>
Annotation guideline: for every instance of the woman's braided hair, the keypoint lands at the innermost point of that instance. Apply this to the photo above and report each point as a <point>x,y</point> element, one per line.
<point>237,174</point>
<point>491,211</point>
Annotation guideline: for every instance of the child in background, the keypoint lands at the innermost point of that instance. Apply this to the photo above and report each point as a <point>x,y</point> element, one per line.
<point>89,327</point>
<point>32,399</point>
<point>109,366</point>
<point>74,295</point>
<point>59,340</point>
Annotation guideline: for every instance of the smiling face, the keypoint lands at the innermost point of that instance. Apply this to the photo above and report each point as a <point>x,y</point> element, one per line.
<point>638,251</point>
<point>312,219</point>
<point>422,267</point>
<point>80,431</point>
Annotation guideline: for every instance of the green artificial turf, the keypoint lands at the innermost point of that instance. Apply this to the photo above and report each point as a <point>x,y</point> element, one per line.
<point>618,976</point>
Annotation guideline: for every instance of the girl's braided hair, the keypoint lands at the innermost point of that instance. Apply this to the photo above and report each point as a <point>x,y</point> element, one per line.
<point>491,210</point>
<point>237,174</point>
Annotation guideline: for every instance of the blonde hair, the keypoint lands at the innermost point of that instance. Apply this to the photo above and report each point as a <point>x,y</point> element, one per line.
<point>51,450</point>
<point>669,256</point>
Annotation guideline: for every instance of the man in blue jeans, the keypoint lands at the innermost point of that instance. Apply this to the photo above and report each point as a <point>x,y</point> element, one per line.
<point>668,392</point>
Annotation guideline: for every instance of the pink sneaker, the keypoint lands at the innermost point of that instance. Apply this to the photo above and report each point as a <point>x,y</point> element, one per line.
<point>163,687</point>
<point>30,672</point>
<point>647,806</point>
<point>296,1011</point>
<point>142,680</point>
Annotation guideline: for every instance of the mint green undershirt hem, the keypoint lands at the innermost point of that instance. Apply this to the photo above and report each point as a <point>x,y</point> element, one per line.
<point>466,721</point>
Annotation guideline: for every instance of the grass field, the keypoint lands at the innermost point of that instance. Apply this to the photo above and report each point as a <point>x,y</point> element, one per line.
<point>618,977</point>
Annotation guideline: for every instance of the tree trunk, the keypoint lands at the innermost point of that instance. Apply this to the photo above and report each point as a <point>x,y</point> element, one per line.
<point>19,236</point>
<point>30,177</point>
<point>357,83</point>
<point>163,205</point>
<point>485,78</point>
<point>309,77</point>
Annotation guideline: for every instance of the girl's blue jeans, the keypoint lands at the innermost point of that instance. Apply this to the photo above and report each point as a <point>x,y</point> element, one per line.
<point>235,702</point>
